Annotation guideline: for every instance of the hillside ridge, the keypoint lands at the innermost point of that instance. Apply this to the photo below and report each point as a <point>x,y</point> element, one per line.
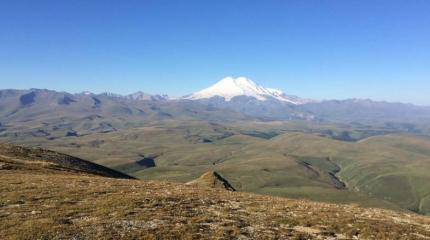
<point>69,205</point>
<point>19,157</point>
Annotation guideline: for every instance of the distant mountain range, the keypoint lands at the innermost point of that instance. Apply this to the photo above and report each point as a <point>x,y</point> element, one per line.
<point>230,99</point>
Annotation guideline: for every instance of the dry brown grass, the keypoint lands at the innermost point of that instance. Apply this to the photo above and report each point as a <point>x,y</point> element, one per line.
<point>62,205</point>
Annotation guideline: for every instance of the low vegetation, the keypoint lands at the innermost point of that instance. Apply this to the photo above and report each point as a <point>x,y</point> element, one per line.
<point>292,159</point>
<point>56,204</point>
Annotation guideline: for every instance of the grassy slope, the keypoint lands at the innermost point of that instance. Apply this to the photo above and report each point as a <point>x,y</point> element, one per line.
<point>391,168</point>
<point>35,159</point>
<point>63,205</point>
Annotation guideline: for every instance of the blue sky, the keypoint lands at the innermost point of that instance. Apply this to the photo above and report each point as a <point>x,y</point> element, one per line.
<point>318,49</point>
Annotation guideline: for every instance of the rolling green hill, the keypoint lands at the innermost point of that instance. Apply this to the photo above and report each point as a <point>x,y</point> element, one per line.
<point>48,195</point>
<point>292,159</point>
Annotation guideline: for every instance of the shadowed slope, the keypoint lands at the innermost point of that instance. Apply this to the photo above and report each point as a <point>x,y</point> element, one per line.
<point>18,157</point>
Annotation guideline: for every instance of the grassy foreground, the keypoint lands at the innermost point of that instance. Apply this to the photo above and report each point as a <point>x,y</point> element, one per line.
<point>290,159</point>
<point>65,205</point>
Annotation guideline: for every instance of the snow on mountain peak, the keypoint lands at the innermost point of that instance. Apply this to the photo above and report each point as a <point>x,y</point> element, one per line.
<point>230,87</point>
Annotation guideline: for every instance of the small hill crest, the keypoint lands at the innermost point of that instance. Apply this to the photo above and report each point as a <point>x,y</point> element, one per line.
<point>212,179</point>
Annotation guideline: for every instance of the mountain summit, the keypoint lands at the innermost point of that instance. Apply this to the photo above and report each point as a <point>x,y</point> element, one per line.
<point>230,87</point>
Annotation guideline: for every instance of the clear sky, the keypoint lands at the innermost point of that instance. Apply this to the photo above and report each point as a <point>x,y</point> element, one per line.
<point>321,49</point>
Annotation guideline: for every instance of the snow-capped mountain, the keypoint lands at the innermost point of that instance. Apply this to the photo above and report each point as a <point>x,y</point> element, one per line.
<point>230,87</point>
